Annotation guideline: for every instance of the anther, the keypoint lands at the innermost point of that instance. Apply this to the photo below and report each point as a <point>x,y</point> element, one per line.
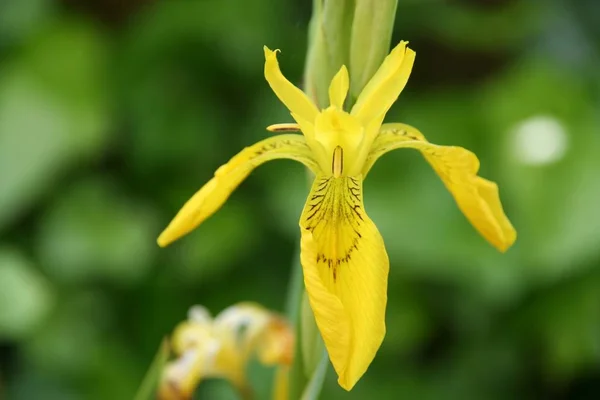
<point>337,163</point>
<point>283,128</point>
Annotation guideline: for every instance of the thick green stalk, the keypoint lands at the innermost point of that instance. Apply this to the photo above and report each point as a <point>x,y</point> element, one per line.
<point>299,376</point>
<point>296,287</point>
<point>328,46</point>
<point>295,290</point>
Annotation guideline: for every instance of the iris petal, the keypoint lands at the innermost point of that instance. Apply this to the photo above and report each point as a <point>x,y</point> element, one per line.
<point>385,86</point>
<point>345,273</point>
<point>227,178</point>
<point>338,89</point>
<point>293,98</point>
<point>476,197</point>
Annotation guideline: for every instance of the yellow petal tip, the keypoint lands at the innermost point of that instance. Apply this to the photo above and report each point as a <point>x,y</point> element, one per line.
<point>400,46</point>
<point>504,246</point>
<point>270,53</point>
<point>344,384</point>
<point>163,240</point>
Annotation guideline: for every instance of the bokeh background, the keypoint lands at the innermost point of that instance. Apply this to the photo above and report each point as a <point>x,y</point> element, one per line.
<point>112,113</point>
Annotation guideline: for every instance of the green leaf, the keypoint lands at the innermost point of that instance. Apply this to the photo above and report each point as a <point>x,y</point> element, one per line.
<point>505,25</point>
<point>315,384</point>
<point>19,18</point>
<point>310,338</point>
<point>32,150</point>
<point>26,297</point>
<point>115,241</point>
<point>53,112</point>
<point>150,383</point>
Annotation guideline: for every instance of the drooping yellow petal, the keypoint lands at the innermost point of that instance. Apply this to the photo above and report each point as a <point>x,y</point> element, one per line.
<point>227,178</point>
<point>192,332</point>
<point>293,98</point>
<point>385,86</point>
<point>488,191</point>
<point>338,89</point>
<point>476,197</point>
<point>345,273</point>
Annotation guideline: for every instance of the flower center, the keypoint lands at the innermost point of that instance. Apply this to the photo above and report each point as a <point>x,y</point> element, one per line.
<point>340,136</point>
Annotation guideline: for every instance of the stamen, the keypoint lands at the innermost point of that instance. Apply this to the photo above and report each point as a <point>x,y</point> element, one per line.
<point>337,163</point>
<point>289,127</point>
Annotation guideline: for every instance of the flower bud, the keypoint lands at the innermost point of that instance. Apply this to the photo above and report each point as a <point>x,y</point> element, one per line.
<point>372,28</point>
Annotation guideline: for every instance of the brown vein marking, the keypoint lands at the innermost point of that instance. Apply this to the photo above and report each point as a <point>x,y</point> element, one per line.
<point>382,143</point>
<point>401,132</point>
<point>274,145</point>
<point>335,206</point>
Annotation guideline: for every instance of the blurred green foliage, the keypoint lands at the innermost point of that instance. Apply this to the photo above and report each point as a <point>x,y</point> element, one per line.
<point>113,113</point>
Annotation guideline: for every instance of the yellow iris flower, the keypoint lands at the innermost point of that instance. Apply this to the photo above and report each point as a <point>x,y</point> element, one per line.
<point>222,347</point>
<point>343,256</point>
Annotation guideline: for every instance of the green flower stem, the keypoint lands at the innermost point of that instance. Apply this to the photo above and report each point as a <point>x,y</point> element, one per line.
<point>311,342</point>
<point>296,287</point>
<point>296,311</point>
<point>147,389</point>
<point>311,361</point>
<point>313,389</point>
<point>295,290</point>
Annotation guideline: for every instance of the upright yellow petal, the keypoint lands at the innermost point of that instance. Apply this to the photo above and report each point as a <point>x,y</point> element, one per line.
<point>246,329</point>
<point>227,178</point>
<point>195,346</point>
<point>249,328</point>
<point>476,197</point>
<point>338,89</point>
<point>181,376</point>
<point>276,344</point>
<point>222,347</point>
<point>189,334</point>
<point>293,98</point>
<point>385,86</point>
<point>345,273</point>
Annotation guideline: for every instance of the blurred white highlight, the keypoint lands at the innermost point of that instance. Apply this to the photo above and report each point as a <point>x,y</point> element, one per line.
<point>540,140</point>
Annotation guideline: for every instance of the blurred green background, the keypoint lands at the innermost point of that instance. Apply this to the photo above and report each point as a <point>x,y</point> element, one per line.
<point>112,113</point>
